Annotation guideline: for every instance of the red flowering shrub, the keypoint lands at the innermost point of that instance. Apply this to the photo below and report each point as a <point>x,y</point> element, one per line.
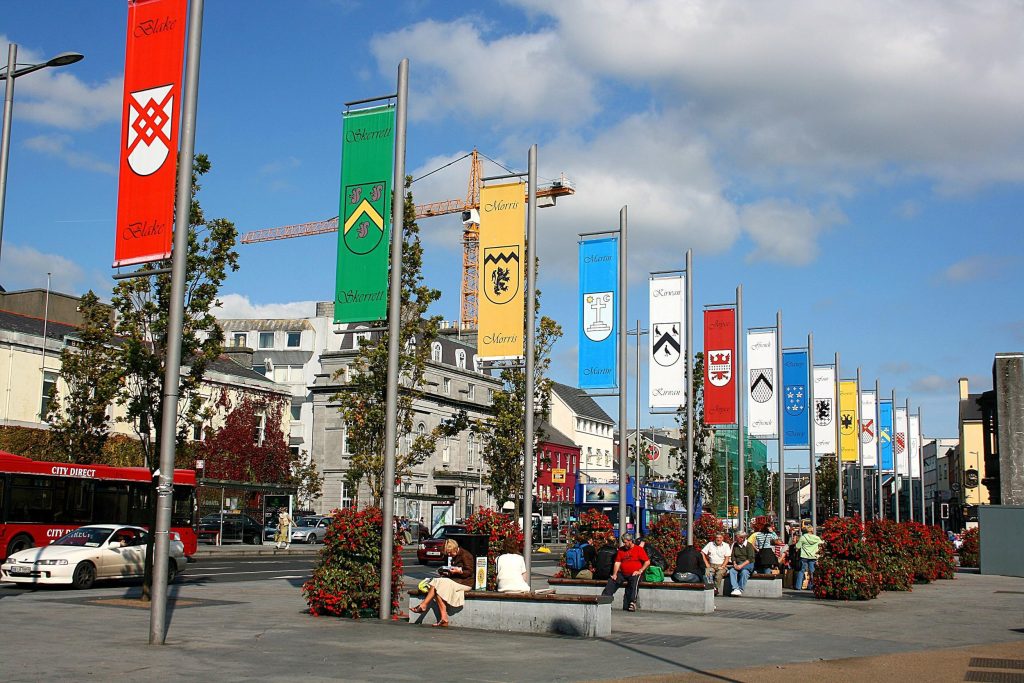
<point>845,569</point>
<point>890,543</point>
<point>970,551</point>
<point>666,534</point>
<point>346,583</point>
<point>942,553</point>
<point>498,527</point>
<point>594,528</point>
<point>760,523</point>
<point>705,528</point>
<point>922,555</point>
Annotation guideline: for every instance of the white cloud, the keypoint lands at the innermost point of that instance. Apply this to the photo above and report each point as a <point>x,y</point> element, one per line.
<point>972,268</point>
<point>59,145</point>
<point>933,384</point>
<point>240,306</point>
<point>26,268</point>
<point>784,232</point>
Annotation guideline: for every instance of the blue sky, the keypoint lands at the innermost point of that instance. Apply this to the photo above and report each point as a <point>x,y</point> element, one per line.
<point>858,165</point>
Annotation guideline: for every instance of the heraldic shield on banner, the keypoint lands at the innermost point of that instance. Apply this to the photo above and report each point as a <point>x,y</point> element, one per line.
<point>667,344</point>
<point>365,207</point>
<point>720,367</point>
<point>796,401</point>
<point>847,422</point>
<point>867,431</point>
<point>761,388</point>
<point>501,273</point>
<point>150,113</point>
<point>597,313</point>
<point>823,412</point>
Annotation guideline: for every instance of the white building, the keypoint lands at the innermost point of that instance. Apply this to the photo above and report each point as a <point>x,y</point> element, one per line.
<point>579,417</point>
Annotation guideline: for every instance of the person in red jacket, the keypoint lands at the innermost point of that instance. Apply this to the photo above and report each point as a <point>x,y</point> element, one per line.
<point>630,564</point>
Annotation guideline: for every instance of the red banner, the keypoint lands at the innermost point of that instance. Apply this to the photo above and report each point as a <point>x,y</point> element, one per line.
<point>149,130</point>
<point>720,366</point>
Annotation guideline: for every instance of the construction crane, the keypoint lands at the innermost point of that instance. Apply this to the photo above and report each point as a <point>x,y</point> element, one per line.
<point>468,207</point>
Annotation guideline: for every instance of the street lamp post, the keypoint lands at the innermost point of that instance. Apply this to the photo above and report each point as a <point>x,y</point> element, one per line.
<point>10,73</point>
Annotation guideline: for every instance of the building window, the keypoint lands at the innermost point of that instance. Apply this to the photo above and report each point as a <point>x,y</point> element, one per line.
<point>471,392</point>
<point>435,352</point>
<point>239,339</point>
<point>294,340</point>
<point>294,450</point>
<point>446,450</point>
<point>407,443</point>
<point>261,369</point>
<point>460,359</point>
<point>259,429</point>
<point>296,412</point>
<point>49,383</point>
<point>344,439</point>
<point>419,488</point>
<point>471,449</point>
<point>197,431</point>
<point>360,338</point>
<point>346,499</point>
<point>446,385</point>
<point>266,340</point>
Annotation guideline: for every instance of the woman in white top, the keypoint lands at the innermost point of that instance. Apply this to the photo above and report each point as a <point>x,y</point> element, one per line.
<point>511,568</point>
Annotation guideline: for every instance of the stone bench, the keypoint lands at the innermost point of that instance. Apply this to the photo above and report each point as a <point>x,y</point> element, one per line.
<point>680,598</point>
<point>763,586</point>
<point>573,615</point>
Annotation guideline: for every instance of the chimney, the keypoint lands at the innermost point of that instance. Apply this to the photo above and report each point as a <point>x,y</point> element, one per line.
<point>240,354</point>
<point>963,389</point>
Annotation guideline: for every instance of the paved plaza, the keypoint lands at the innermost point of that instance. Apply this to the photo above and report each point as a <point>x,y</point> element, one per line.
<point>260,629</point>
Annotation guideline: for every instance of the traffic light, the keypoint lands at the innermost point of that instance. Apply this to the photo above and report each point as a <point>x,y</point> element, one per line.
<point>944,510</point>
<point>746,503</point>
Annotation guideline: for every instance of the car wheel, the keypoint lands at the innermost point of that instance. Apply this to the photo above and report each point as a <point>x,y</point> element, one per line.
<point>172,571</point>
<point>19,543</point>
<point>311,539</point>
<point>85,576</point>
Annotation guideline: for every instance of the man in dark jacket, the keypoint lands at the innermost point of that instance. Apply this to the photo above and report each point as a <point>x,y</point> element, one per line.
<point>743,555</point>
<point>691,566</point>
<point>605,561</point>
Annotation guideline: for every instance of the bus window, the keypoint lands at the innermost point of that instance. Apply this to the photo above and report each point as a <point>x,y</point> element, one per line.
<point>31,499</point>
<point>184,506</point>
<point>110,503</point>
<point>138,504</point>
<point>75,497</point>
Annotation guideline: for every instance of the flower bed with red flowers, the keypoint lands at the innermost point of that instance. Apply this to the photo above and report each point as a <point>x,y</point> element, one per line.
<point>970,551</point>
<point>498,527</point>
<point>346,582</point>
<point>891,544</point>
<point>593,527</point>
<point>845,569</point>
<point>705,528</point>
<point>922,554</point>
<point>666,534</point>
<point>942,553</point>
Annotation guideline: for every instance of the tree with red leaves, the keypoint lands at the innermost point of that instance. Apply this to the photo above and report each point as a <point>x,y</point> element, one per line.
<point>250,446</point>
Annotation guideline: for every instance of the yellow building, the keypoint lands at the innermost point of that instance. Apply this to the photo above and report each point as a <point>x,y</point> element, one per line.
<point>975,410</point>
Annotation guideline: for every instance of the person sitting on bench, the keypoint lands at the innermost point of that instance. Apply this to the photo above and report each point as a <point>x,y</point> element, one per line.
<point>691,566</point>
<point>630,564</point>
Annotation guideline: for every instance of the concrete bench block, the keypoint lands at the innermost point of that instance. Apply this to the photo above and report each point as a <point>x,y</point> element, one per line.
<point>574,615</point>
<point>680,598</point>
<point>763,587</point>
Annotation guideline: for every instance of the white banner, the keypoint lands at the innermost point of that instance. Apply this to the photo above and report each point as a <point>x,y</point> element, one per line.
<point>914,429</point>
<point>667,357</point>
<point>762,384</point>
<point>900,442</point>
<point>869,427</point>
<point>824,410</point>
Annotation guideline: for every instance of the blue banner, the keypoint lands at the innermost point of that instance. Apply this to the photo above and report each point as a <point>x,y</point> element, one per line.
<point>599,303</point>
<point>795,425</point>
<point>885,434</point>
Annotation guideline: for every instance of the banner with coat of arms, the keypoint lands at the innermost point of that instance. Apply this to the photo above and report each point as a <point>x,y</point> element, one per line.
<point>599,302</point>
<point>796,427</point>
<point>869,427</point>
<point>899,442</point>
<point>150,110</point>
<point>823,409</point>
<point>720,366</point>
<point>502,268</point>
<point>667,365</point>
<point>885,440</point>
<point>848,438</point>
<point>914,444</point>
<point>364,217</point>
<point>762,395</point>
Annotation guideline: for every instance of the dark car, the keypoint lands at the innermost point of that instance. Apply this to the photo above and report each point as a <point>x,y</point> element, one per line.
<point>237,528</point>
<point>429,549</point>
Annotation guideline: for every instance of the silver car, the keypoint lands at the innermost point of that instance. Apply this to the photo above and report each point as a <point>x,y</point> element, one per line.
<point>310,529</point>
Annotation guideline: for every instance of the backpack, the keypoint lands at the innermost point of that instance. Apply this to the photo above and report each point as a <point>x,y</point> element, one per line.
<point>574,559</point>
<point>654,574</point>
<point>605,562</point>
<point>765,559</point>
<point>655,556</point>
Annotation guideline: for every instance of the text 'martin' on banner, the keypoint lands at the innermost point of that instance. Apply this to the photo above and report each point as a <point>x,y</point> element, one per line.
<point>154,53</point>
<point>502,268</point>
<point>720,366</point>
<point>762,384</point>
<point>824,410</point>
<point>599,304</point>
<point>795,426</point>
<point>364,217</point>
<point>667,363</point>
<point>848,438</point>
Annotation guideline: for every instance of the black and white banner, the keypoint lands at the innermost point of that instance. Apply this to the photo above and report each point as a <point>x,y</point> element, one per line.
<point>762,384</point>
<point>824,409</point>
<point>667,366</point>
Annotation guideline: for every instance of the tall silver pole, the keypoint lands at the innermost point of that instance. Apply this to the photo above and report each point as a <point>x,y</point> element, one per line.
<point>920,461</point>
<point>860,449</point>
<point>780,416</point>
<point>394,341</point>
<point>529,458</point>
<point>895,462</point>
<point>810,430</point>
<point>878,447</point>
<point>839,441</point>
<point>46,320</point>
<point>689,397</point>
<point>636,467</point>
<point>623,370</point>
<point>5,144</point>
<point>741,450</point>
<point>910,467</point>
<point>175,321</point>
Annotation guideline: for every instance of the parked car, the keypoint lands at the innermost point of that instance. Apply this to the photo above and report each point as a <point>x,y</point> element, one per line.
<point>306,530</point>
<point>89,554</point>
<point>429,549</point>
<point>237,528</point>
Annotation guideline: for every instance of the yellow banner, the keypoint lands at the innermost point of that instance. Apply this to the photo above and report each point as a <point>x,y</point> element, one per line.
<point>848,421</point>
<point>502,272</point>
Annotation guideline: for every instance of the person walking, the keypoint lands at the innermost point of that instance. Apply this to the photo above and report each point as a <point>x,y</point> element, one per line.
<point>284,530</point>
<point>808,545</point>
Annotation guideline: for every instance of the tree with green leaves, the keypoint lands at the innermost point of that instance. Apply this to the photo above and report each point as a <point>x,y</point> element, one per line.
<point>362,402</point>
<point>705,476</point>
<point>90,368</point>
<point>826,482</point>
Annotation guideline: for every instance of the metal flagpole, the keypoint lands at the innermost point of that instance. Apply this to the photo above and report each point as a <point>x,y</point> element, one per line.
<point>741,450</point>
<point>688,377</point>
<point>895,462</point>
<point>878,447</point>
<point>164,474</point>
<point>529,457</point>
<point>636,468</point>
<point>623,369</point>
<point>860,448</point>
<point>839,442</point>
<point>810,429</point>
<point>780,416</point>
<point>394,341</point>
<point>910,469</point>
<point>920,461</point>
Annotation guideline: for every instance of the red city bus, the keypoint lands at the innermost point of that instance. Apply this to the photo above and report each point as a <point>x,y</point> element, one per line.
<point>42,501</point>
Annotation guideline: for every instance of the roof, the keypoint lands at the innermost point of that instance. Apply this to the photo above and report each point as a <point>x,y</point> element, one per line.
<point>450,346</point>
<point>24,324</point>
<point>229,366</point>
<point>970,408</point>
<point>553,436</point>
<point>265,324</point>
<point>580,403</point>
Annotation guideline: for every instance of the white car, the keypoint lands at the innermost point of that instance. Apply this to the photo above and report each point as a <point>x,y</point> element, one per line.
<point>89,554</point>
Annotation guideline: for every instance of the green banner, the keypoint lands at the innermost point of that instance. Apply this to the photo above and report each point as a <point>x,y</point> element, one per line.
<point>364,219</point>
